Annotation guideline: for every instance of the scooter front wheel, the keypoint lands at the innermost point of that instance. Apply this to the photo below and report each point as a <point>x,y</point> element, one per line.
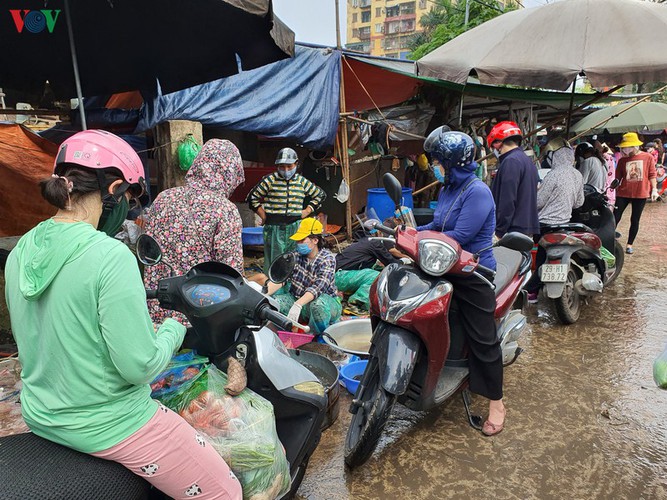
<point>374,405</point>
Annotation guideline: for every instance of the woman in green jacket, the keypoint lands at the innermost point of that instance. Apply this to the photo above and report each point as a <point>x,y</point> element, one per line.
<point>86,342</point>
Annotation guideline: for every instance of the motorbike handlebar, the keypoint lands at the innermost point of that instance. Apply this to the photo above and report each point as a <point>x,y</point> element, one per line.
<point>485,269</point>
<point>266,313</point>
<point>385,229</point>
<point>151,294</point>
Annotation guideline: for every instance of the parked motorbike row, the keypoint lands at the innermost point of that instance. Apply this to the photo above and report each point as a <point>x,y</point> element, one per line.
<point>418,355</point>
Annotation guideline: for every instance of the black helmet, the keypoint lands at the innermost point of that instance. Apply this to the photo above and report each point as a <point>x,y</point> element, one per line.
<point>583,148</point>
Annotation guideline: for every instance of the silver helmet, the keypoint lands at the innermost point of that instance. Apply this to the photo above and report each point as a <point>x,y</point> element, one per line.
<point>286,156</point>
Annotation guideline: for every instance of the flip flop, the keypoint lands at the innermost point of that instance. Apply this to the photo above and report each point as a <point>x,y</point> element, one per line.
<point>629,251</point>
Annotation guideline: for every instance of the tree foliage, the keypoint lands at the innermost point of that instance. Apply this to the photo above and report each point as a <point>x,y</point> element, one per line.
<point>446,20</point>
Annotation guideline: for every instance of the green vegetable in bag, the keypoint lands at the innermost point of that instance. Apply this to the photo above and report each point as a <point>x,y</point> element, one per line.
<point>660,370</point>
<point>188,150</point>
<point>608,257</point>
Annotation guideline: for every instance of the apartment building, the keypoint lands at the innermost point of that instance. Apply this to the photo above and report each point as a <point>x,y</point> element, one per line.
<point>386,27</point>
<point>383,27</point>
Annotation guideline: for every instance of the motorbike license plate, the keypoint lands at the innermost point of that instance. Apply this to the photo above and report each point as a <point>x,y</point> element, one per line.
<point>554,273</point>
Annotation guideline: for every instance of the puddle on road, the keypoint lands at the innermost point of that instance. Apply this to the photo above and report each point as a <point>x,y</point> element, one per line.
<point>585,419</point>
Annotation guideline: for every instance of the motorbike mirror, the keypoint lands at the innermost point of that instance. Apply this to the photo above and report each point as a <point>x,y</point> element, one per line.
<point>614,184</point>
<point>148,250</point>
<point>282,267</point>
<point>516,241</point>
<point>393,188</point>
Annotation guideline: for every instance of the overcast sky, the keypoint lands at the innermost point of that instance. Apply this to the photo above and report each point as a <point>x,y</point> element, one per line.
<point>314,21</point>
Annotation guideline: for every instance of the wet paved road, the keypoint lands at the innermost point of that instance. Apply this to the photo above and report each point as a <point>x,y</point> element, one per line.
<point>585,419</point>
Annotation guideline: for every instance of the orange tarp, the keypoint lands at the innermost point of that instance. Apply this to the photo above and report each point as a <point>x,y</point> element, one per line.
<point>25,159</point>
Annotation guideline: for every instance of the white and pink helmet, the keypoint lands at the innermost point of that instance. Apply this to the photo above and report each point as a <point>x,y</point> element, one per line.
<point>99,149</point>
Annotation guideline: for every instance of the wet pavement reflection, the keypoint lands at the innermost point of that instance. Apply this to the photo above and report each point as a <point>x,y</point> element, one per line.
<point>585,419</point>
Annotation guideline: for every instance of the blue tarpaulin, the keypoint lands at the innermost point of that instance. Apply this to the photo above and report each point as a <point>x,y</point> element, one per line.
<point>296,99</point>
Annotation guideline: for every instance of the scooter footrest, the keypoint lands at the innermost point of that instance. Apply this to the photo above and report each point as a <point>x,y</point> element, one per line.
<point>449,382</point>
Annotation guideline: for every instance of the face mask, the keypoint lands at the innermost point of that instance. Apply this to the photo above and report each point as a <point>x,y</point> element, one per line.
<point>437,171</point>
<point>628,151</point>
<point>496,153</point>
<point>112,223</point>
<point>303,248</point>
<point>287,174</point>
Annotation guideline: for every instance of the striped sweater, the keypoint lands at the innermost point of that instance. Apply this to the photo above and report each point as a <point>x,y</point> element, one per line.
<point>283,200</point>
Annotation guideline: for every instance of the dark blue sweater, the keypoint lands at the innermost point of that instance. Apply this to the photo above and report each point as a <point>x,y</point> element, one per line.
<point>466,213</point>
<point>515,193</point>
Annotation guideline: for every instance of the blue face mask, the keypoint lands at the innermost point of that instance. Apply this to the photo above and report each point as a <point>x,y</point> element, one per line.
<point>302,248</point>
<point>437,171</point>
<point>288,174</point>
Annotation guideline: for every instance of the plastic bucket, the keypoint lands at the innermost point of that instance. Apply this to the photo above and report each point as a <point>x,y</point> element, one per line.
<point>378,199</point>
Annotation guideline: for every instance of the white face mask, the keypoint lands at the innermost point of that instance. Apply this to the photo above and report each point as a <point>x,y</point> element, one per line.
<point>496,153</point>
<point>287,174</point>
<point>628,151</point>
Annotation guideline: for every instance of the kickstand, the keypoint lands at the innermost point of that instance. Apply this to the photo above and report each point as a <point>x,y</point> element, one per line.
<point>475,421</point>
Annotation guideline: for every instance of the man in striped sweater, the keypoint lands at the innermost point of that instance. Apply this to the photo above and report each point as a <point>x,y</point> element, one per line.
<point>279,200</point>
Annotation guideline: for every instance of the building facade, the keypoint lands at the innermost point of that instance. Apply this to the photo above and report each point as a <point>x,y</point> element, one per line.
<point>384,27</point>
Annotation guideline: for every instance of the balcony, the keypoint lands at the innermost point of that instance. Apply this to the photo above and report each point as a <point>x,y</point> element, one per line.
<point>365,3</point>
<point>365,34</point>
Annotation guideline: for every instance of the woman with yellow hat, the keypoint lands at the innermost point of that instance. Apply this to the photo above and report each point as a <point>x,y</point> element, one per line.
<point>312,289</point>
<point>636,171</point>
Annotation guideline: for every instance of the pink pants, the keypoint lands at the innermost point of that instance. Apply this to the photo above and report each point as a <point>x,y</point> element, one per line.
<point>168,453</point>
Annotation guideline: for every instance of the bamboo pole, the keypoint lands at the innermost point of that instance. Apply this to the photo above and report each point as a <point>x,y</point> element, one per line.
<point>619,113</point>
<point>342,123</point>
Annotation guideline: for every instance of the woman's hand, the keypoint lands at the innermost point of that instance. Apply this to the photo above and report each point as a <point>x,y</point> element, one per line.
<point>306,212</point>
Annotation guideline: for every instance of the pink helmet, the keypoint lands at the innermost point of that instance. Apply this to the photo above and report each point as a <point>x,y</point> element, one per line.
<point>99,149</point>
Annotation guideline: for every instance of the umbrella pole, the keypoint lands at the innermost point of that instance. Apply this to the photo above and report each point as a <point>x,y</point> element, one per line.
<point>569,112</point>
<point>75,64</point>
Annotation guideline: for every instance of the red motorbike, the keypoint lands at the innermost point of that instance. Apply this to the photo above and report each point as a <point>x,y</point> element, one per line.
<point>418,354</point>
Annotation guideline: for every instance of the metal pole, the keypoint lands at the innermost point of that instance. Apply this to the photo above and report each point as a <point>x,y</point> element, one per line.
<point>338,29</point>
<point>465,23</point>
<point>75,64</point>
<point>569,113</point>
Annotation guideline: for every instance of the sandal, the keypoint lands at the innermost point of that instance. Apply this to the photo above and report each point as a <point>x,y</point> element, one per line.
<point>491,429</point>
<point>629,250</point>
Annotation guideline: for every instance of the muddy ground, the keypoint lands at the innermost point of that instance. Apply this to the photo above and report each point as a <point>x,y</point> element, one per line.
<point>585,419</point>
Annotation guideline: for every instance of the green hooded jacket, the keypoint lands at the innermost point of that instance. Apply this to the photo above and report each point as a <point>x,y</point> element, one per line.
<point>86,342</point>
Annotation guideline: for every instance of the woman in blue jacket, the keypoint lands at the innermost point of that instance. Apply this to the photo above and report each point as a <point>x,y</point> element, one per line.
<point>466,212</point>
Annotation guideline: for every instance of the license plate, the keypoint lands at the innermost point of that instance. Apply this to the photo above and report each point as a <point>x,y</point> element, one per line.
<point>554,273</point>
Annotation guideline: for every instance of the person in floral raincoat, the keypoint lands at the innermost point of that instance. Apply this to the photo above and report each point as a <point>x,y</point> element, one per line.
<point>197,223</point>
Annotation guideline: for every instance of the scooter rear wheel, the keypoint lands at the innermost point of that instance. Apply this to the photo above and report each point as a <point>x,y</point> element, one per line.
<point>568,305</point>
<point>371,416</point>
<point>619,253</point>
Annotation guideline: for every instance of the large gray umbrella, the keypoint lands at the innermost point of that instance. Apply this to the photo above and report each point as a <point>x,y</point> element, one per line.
<point>612,42</point>
<point>643,116</point>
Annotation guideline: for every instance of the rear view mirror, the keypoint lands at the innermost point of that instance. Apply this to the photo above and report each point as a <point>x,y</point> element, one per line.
<point>282,267</point>
<point>614,184</point>
<point>149,252</point>
<point>393,188</point>
<point>516,241</point>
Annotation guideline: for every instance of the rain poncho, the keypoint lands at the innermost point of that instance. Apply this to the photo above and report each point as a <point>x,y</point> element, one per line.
<point>85,339</point>
<point>197,223</point>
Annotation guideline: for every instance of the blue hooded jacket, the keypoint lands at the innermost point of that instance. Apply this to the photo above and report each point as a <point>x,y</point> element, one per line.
<point>466,213</point>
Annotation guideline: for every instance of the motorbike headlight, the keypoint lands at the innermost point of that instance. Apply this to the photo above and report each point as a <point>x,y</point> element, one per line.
<point>436,257</point>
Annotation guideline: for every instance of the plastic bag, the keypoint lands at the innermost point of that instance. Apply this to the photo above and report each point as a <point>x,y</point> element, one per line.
<point>660,370</point>
<point>608,257</point>
<point>187,151</point>
<point>184,366</point>
<point>343,192</point>
<point>242,429</point>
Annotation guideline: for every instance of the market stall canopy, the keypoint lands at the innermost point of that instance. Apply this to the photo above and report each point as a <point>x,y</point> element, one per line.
<point>293,99</point>
<point>642,117</point>
<point>126,45</point>
<point>612,42</point>
<point>25,159</point>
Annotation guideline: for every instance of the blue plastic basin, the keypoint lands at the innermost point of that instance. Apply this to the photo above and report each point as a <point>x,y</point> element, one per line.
<point>252,236</point>
<point>349,371</point>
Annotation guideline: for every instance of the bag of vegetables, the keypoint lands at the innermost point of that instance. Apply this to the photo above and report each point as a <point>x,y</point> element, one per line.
<point>660,370</point>
<point>241,428</point>
<point>184,365</point>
